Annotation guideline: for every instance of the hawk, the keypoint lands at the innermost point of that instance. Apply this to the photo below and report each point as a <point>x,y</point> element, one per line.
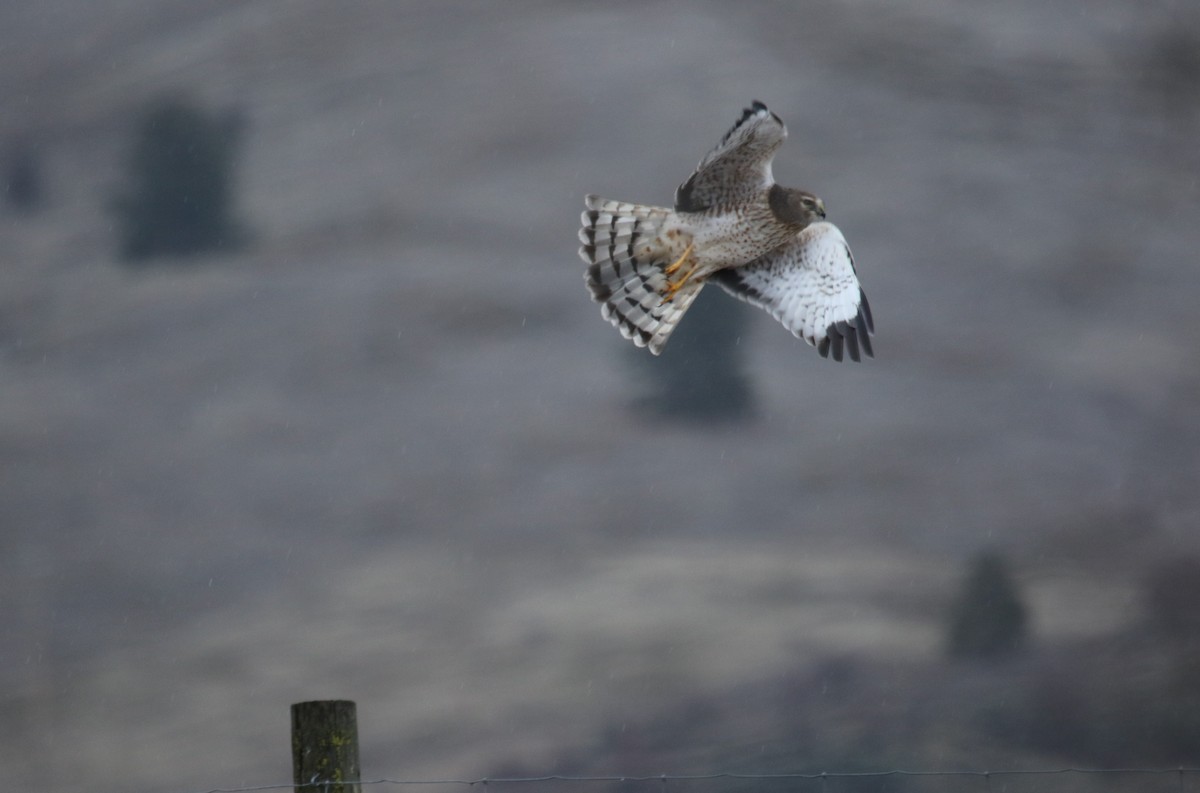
<point>731,224</point>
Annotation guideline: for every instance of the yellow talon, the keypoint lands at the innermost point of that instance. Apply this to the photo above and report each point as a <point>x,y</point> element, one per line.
<point>679,262</point>
<point>675,286</point>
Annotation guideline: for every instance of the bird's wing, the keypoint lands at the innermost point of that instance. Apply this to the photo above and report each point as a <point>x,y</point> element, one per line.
<point>809,285</point>
<point>739,168</point>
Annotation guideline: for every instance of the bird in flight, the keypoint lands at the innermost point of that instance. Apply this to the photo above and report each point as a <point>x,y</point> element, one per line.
<point>731,224</point>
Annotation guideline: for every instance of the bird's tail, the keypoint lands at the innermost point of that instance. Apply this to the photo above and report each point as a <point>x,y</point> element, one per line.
<point>628,248</point>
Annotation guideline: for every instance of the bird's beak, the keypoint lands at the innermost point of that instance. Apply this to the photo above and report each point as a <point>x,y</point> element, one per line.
<point>821,208</point>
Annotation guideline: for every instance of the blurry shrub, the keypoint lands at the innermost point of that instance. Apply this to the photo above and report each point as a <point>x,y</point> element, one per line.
<point>1173,598</point>
<point>1171,70</point>
<point>1172,592</point>
<point>1120,707</point>
<point>178,197</point>
<point>22,177</point>
<point>988,618</point>
<point>699,376</point>
<point>1128,701</point>
<point>1178,733</point>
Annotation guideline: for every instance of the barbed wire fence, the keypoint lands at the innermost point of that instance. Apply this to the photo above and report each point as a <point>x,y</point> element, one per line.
<point>325,759</point>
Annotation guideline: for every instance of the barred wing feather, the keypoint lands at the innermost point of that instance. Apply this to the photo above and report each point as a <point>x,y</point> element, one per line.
<point>738,169</point>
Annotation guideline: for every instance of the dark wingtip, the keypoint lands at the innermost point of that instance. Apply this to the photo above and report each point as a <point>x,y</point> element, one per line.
<point>759,107</point>
<point>852,343</point>
<point>839,343</point>
<point>847,338</point>
<point>864,325</point>
<point>864,310</point>
<point>755,108</point>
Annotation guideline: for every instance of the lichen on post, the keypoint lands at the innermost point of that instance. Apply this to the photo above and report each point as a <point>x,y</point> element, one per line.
<point>325,746</point>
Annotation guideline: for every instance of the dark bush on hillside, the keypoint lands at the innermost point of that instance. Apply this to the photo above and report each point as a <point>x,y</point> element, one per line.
<point>22,177</point>
<point>1170,72</point>
<point>699,376</point>
<point>178,198</point>
<point>988,618</point>
<point>1173,598</point>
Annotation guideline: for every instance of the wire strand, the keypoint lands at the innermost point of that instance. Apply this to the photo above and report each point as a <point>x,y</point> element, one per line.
<point>637,778</point>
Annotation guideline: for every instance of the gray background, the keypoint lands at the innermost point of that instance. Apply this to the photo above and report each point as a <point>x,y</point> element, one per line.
<point>390,452</point>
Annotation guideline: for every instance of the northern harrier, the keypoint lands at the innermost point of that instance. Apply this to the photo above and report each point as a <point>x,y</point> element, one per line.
<point>732,224</point>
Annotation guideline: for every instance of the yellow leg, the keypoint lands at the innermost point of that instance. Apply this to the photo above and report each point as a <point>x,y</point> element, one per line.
<point>674,286</point>
<point>679,262</point>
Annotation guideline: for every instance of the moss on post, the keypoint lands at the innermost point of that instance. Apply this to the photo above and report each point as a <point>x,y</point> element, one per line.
<point>325,746</point>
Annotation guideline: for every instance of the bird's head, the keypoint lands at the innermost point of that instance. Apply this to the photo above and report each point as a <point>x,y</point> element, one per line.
<point>796,207</point>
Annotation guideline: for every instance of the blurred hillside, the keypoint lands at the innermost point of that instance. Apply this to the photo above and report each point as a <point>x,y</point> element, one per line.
<point>390,452</point>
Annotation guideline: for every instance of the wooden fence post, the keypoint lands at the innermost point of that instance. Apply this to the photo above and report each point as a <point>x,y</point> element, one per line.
<point>325,746</point>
